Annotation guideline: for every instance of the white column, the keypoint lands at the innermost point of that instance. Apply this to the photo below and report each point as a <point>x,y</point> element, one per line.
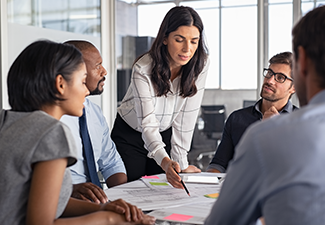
<point>3,54</point>
<point>262,48</point>
<point>109,96</point>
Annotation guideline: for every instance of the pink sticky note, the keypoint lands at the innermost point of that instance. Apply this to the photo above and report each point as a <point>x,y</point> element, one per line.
<point>150,177</point>
<point>178,217</point>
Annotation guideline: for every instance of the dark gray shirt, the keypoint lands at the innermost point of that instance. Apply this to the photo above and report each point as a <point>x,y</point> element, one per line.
<point>27,138</point>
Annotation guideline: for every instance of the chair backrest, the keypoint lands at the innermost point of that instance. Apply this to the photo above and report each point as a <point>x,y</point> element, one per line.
<point>247,103</point>
<point>214,117</point>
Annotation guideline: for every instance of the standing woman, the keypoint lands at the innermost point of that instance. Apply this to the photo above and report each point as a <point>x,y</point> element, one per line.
<point>155,121</point>
<point>46,81</point>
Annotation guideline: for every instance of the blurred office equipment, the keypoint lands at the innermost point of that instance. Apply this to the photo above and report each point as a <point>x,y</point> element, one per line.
<point>132,48</point>
<point>247,103</point>
<point>207,134</point>
<point>214,119</point>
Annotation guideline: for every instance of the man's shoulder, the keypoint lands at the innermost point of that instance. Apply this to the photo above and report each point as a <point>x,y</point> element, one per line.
<point>242,113</point>
<point>94,114</point>
<point>92,108</point>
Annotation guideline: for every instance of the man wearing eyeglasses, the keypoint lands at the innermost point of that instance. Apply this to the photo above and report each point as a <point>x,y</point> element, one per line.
<point>278,168</point>
<point>275,94</point>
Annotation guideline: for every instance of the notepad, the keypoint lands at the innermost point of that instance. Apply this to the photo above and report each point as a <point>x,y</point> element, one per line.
<point>200,178</point>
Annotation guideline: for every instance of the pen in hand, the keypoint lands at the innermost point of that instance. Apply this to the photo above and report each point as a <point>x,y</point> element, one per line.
<point>183,185</point>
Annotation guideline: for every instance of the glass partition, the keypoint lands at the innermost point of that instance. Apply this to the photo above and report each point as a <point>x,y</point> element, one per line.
<point>77,16</point>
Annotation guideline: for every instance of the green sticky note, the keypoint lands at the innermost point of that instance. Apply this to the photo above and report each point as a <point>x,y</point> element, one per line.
<point>159,183</point>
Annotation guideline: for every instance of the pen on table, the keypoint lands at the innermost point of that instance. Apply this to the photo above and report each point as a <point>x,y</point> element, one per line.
<point>183,185</point>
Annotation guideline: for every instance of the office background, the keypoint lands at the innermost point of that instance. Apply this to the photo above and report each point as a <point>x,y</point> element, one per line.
<point>241,35</point>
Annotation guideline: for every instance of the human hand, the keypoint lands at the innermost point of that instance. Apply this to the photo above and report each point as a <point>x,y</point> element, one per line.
<point>191,169</point>
<point>171,169</point>
<point>211,170</point>
<point>131,212</point>
<point>148,220</point>
<point>89,192</point>
<point>114,218</point>
<point>270,112</point>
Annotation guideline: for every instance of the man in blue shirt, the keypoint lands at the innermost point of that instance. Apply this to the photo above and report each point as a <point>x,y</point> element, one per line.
<point>278,168</point>
<point>107,159</point>
<point>275,94</point>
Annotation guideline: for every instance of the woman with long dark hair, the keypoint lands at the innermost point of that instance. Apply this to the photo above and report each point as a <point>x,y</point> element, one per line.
<point>155,121</point>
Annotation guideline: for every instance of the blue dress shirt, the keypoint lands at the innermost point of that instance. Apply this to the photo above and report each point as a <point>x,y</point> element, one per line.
<point>108,161</point>
<point>235,126</point>
<point>277,172</point>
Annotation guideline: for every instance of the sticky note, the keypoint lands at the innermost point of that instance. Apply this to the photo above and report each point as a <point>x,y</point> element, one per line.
<point>214,195</point>
<point>178,217</point>
<point>159,183</point>
<point>150,177</point>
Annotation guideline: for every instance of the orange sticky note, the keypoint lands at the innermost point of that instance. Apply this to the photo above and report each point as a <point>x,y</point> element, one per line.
<point>178,217</point>
<point>214,195</point>
<point>150,177</point>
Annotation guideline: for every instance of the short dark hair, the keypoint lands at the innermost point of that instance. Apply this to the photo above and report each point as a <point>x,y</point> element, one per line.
<point>81,45</point>
<point>176,17</point>
<point>309,33</point>
<point>32,76</point>
<point>282,58</point>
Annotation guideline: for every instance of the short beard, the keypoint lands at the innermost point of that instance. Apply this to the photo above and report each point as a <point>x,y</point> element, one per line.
<point>271,99</point>
<point>268,99</point>
<point>97,91</point>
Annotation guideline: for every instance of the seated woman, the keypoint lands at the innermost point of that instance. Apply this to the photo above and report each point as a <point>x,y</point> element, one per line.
<point>46,81</point>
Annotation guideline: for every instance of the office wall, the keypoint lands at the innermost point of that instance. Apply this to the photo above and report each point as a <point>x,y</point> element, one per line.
<point>19,36</point>
<point>232,99</point>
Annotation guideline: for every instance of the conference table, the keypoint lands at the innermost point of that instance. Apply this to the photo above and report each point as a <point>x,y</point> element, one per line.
<point>172,206</point>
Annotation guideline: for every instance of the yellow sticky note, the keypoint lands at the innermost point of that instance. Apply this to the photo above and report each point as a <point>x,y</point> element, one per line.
<point>214,195</point>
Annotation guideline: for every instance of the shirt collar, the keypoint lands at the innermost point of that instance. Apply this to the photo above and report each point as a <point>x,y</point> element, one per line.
<point>318,98</point>
<point>288,108</point>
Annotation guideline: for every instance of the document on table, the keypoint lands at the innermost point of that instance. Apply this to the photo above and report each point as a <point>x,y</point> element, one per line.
<point>189,214</point>
<point>203,177</point>
<point>159,194</point>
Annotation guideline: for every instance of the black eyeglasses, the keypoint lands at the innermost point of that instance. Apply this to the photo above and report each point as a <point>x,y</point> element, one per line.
<point>279,77</point>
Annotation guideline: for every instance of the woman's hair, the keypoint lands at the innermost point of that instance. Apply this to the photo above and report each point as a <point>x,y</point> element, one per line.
<point>32,76</point>
<point>176,17</point>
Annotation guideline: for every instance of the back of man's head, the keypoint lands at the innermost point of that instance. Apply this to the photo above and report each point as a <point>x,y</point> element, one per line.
<point>309,33</point>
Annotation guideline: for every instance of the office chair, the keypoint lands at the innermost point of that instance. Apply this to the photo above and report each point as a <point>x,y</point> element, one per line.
<point>214,117</point>
<point>247,103</point>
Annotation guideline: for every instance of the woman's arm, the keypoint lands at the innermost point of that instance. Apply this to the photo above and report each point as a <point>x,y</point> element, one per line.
<point>44,197</point>
<point>44,192</point>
